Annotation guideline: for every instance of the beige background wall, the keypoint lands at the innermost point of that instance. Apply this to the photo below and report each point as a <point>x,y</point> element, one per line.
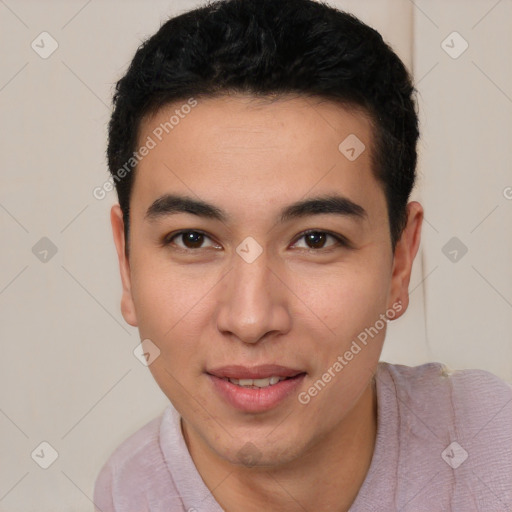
<point>68,373</point>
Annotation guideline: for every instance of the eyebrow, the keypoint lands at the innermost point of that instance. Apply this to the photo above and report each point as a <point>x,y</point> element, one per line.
<point>333,204</point>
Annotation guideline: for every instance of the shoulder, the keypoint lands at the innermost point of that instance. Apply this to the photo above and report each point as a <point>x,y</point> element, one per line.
<point>134,468</point>
<point>433,401</point>
<point>451,426</point>
<point>469,391</point>
<point>468,399</point>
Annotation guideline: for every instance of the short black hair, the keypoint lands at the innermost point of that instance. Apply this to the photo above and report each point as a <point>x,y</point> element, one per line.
<point>267,48</point>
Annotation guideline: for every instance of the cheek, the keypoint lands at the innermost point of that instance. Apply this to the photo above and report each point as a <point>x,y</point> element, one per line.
<point>166,315</point>
<point>346,300</point>
<point>173,307</point>
<point>162,295</point>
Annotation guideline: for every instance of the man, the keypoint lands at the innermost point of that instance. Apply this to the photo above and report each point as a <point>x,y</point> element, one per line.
<point>264,154</point>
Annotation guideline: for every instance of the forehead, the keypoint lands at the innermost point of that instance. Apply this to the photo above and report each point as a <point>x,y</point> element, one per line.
<point>251,152</point>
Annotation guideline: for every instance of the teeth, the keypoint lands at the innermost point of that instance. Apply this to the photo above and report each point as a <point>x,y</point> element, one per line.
<point>259,383</point>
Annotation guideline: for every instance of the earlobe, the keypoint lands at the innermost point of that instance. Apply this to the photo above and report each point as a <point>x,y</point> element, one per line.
<point>405,252</point>
<point>127,304</point>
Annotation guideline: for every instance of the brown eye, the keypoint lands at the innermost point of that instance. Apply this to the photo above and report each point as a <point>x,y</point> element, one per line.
<point>190,239</point>
<point>316,240</point>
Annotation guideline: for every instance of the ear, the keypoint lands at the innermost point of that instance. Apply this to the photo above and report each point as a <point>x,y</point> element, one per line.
<point>127,305</point>
<point>403,258</point>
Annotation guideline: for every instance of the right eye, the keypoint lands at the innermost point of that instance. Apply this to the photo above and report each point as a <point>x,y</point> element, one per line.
<point>191,239</point>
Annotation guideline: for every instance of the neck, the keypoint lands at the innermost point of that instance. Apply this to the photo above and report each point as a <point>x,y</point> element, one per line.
<point>327,477</point>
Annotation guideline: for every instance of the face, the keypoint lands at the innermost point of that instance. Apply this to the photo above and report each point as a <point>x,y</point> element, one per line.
<point>247,287</point>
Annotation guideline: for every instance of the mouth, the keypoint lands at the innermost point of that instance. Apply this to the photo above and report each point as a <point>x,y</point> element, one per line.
<point>255,389</point>
<point>257,383</point>
<point>261,376</point>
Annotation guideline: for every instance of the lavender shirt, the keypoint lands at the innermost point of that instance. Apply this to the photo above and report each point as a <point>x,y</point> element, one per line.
<point>444,443</point>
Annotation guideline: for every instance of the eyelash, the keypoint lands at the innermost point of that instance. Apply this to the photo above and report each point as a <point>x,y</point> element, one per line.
<point>341,241</point>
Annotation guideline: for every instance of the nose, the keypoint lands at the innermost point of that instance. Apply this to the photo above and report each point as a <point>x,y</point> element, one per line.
<point>254,301</point>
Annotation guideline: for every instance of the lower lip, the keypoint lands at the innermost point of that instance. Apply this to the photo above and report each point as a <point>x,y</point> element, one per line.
<point>256,400</point>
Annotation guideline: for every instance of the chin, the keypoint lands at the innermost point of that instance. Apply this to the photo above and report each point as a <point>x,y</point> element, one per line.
<point>259,452</point>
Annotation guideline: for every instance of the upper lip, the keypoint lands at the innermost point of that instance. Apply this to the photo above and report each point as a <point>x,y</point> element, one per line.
<point>263,371</point>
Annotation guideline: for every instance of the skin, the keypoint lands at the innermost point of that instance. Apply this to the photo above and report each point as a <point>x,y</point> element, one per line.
<point>291,306</point>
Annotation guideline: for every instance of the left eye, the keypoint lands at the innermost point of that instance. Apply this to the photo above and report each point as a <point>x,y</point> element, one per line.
<point>315,240</point>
